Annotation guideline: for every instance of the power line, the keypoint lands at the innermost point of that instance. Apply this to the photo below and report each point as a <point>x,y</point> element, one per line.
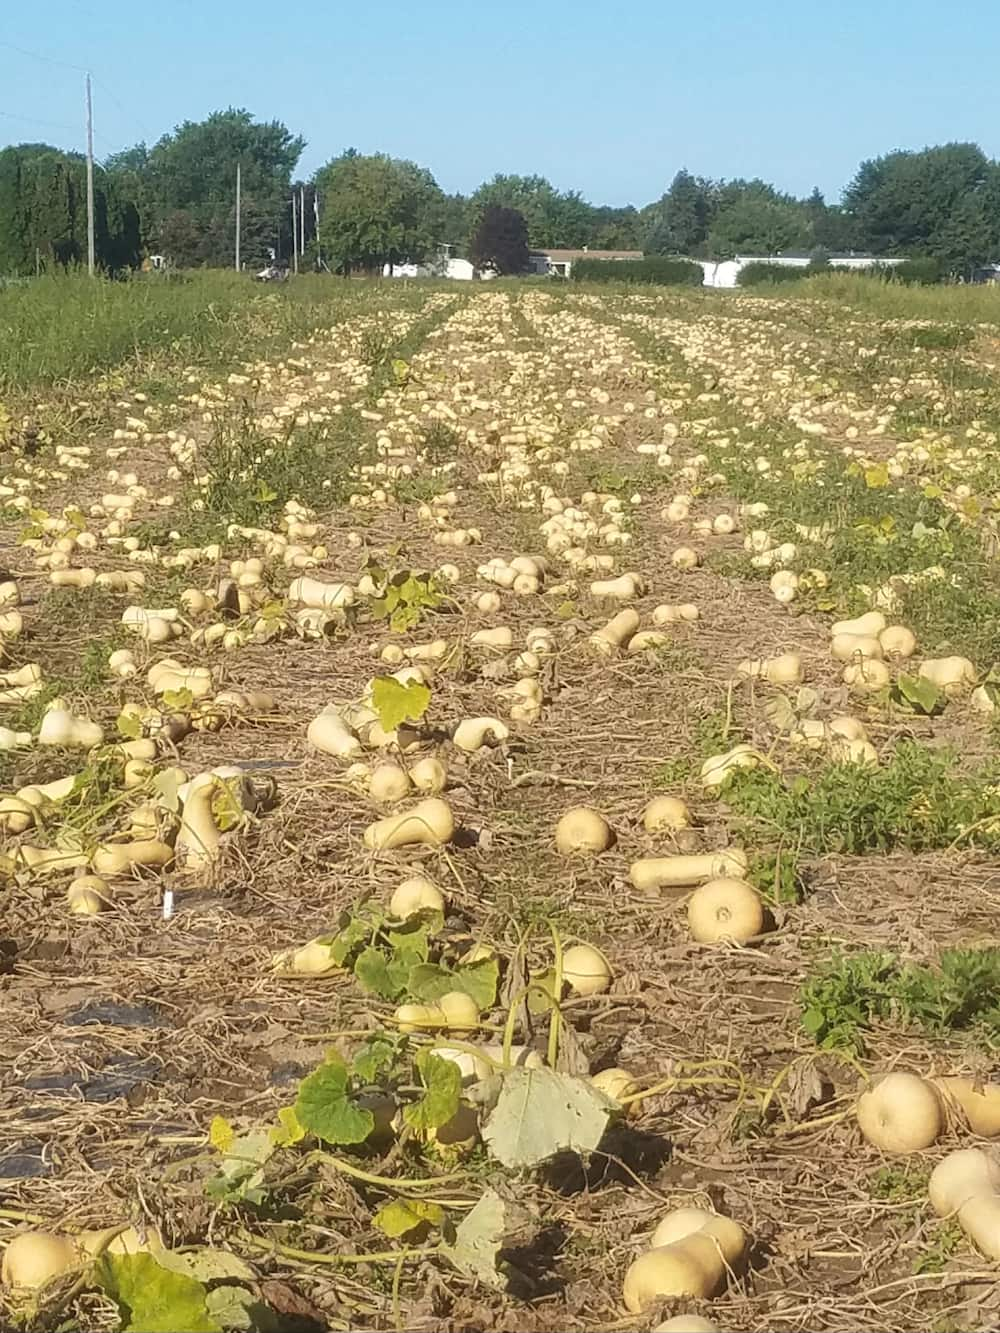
<point>149,138</point>
<point>79,69</point>
<point>33,120</point>
<point>46,60</point>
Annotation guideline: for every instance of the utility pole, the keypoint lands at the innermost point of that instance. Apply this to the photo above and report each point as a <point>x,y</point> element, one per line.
<point>295,237</point>
<point>319,244</point>
<point>239,204</point>
<point>91,246</point>
<point>302,220</point>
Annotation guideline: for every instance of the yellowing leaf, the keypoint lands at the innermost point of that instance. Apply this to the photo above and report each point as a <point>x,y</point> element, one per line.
<point>227,807</point>
<point>877,477</point>
<point>288,1131</point>
<point>401,1216</point>
<point>129,726</point>
<point>167,784</point>
<point>221,1134</point>
<point>395,703</point>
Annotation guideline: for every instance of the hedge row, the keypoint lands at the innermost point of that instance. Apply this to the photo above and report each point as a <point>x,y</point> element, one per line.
<point>760,272</point>
<point>653,269</point>
<point>912,272</point>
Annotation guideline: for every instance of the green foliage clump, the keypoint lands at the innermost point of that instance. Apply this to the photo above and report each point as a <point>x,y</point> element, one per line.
<point>653,269</point>
<point>251,474</point>
<point>922,272</point>
<point>760,273</point>
<point>916,800</point>
<point>845,997</point>
<point>500,241</point>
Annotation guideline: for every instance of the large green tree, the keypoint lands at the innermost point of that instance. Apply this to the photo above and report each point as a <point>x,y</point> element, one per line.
<point>43,212</point>
<point>188,186</point>
<point>933,202</point>
<point>615,228</point>
<point>554,219</point>
<point>678,223</point>
<point>500,241</point>
<point>378,210</point>
<point>831,228</point>
<point>751,217</point>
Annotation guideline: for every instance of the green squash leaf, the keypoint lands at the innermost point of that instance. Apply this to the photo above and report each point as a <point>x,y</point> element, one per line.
<point>153,1299</point>
<point>325,1108</point>
<point>921,694</point>
<point>442,1080</point>
<point>429,981</point>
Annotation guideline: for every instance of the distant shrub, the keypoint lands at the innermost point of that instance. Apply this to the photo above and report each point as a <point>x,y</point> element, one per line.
<point>652,269</point>
<point>761,273</point>
<point>925,272</point>
<point>941,337</point>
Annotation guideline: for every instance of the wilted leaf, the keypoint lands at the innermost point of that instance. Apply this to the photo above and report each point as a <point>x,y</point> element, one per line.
<point>780,712</point>
<point>401,1216</point>
<point>283,1298</point>
<point>207,1265</point>
<point>498,669</point>
<point>396,703</point>
<point>540,1113</point>
<point>227,803</point>
<point>153,1299</point>
<point>241,1172</point>
<point>542,992</point>
<point>804,1088</point>
<point>324,1108</point>
<point>442,1080</point>
<point>572,1057</point>
<point>806,700</point>
<point>167,784</point>
<point>478,1241</point>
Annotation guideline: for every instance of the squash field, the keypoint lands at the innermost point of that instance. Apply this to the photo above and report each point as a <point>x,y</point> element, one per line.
<point>500,822</point>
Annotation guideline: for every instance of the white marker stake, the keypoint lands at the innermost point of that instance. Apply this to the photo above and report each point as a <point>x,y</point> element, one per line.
<point>168,904</point>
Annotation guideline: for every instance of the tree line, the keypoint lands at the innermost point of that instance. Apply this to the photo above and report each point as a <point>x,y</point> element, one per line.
<point>177,198</point>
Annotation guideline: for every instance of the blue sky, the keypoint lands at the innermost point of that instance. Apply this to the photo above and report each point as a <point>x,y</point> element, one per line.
<point>608,99</point>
